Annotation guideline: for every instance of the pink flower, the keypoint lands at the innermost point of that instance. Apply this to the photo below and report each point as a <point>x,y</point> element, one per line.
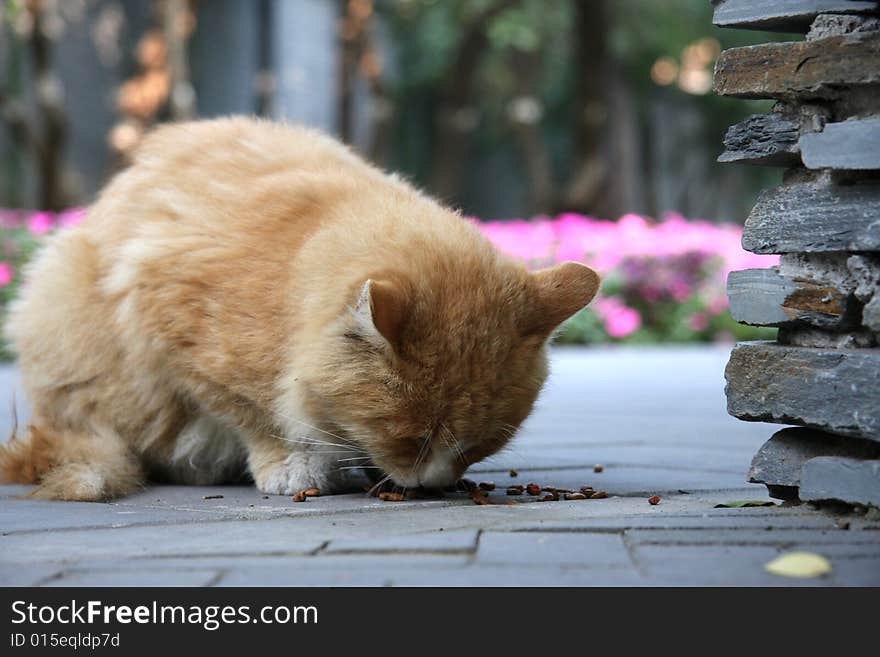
<point>72,217</point>
<point>40,223</point>
<point>623,322</point>
<point>619,320</point>
<point>6,274</point>
<point>717,305</point>
<point>698,321</point>
<point>680,290</point>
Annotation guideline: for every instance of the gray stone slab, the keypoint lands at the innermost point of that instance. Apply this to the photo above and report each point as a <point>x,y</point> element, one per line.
<point>782,538</point>
<point>515,575</point>
<point>853,144</point>
<point>780,459</point>
<point>433,542</point>
<point>433,574</point>
<point>713,565</point>
<point>736,520</point>
<point>799,69</point>
<point>781,15</point>
<point>841,551</point>
<point>528,549</point>
<point>850,480</point>
<point>140,577</point>
<point>218,538</point>
<point>768,139</point>
<point>26,574</point>
<point>38,515</point>
<point>344,570</point>
<point>856,572</point>
<point>834,390</point>
<point>764,297</point>
<point>794,218</point>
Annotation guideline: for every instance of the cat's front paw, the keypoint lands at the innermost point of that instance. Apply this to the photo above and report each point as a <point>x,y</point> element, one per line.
<point>297,472</point>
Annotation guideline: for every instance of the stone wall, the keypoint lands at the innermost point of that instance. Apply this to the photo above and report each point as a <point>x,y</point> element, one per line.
<point>823,371</point>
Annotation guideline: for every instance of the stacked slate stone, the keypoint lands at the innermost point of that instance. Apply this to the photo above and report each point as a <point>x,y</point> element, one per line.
<point>823,371</point>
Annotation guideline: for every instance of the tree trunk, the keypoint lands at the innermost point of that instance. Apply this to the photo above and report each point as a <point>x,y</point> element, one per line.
<point>525,112</point>
<point>457,116</point>
<point>588,168</point>
<point>49,147</point>
<point>175,16</point>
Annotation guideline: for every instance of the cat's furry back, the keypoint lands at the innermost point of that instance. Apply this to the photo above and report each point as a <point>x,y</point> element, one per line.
<point>252,298</point>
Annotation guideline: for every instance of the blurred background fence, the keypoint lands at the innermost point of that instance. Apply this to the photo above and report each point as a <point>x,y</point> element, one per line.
<point>506,109</point>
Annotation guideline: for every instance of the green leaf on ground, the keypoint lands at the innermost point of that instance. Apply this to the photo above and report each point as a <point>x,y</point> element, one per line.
<point>741,503</point>
<point>799,564</point>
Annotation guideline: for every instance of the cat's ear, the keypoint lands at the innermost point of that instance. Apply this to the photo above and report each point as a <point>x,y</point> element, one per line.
<point>560,292</point>
<point>381,310</point>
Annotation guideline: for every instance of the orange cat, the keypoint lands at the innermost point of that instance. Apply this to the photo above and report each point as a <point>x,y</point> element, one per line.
<point>253,298</point>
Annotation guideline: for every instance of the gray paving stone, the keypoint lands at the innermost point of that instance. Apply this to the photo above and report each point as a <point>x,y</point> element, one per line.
<point>536,549</point>
<point>870,540</point>
<point>855,551</point>
<point>344,570</point>
<point>140,577</point>
<point>712,565</point>
<point>437,573</point>
<point>856,572</point>
<point>436,542</point>
<point>675,522</point>
<point>26,574</point>
<point>38,515</point>
<point>492,575</point>
<point>229,537</point>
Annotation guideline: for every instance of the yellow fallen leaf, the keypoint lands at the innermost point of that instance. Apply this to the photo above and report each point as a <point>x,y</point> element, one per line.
<point>799,564</point>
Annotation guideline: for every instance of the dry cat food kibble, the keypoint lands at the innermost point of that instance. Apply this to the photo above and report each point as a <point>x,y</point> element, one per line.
<point>299,496</point>
<point>479,493</point>
<point>598,468</point>
<point>467,484</point>
<point>513,473</point>
<point>654,499</point>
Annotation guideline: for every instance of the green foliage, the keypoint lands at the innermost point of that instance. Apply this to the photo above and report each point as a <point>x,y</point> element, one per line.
<point>18,247</point>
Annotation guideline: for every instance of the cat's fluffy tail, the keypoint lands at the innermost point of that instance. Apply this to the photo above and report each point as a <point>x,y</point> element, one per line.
<point>70,465</point>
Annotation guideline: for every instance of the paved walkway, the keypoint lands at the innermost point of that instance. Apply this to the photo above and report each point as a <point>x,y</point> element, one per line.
<point>654,418</point>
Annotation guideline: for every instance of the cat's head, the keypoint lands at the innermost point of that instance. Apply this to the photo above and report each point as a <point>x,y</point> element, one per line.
<point>429,376</point>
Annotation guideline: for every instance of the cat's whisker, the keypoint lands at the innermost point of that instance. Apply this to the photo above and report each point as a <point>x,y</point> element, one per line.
<point>306,424</point>
<point>456,445</point>
<point>423,451</point>
<point>354,458</point>
<point>359,467</point>
<point>321,443</point>
<point>379,484</point>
